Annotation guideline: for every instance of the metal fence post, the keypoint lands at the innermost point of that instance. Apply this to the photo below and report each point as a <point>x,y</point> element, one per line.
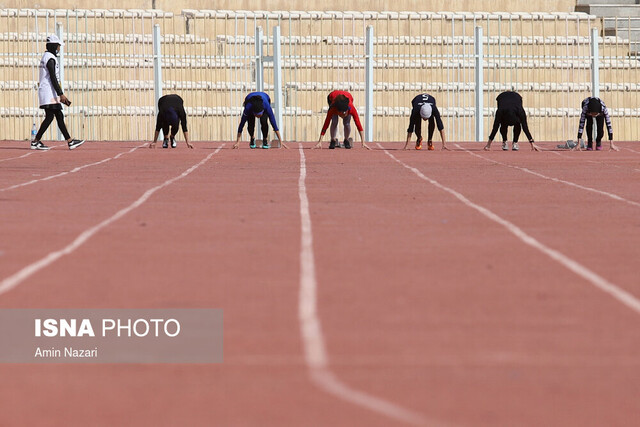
<point>259,69</point>
<point>259,63</point>
<point>60,34</point>
<point>157,68</point>
<point>595,64</point>
<point>368,124</point>
<point>479,85</point>
<point>277,77</point>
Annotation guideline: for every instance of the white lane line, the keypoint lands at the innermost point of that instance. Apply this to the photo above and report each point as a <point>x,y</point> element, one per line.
<point>311,328</point>
<point>14,158</point>
<point>599,282</point>
<point>629,149</point>
<point>28,154</point>
<point>562,181</point>
<point>592,161</point>
<point>74,170</point>
<point>14,280</point>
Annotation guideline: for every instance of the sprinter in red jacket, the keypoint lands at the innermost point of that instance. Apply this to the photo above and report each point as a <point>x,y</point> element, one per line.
<point>341,105</point>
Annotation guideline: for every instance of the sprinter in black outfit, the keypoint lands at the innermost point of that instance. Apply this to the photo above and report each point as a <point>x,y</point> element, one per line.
<point>170,115</point>
<point>423,107</point>
<point>510,113</point>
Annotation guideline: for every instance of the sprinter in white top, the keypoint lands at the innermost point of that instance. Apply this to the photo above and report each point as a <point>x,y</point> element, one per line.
<point>50,95</point>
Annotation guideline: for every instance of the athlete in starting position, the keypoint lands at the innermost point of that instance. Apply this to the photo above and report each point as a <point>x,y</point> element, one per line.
<point>341,105</point>
<point>424,107</point>
<point>510,113</point>
<point>258,104</point>
<point>170,115</point>
<point>593,109</point>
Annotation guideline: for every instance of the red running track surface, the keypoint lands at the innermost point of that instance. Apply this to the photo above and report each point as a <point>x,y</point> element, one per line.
<point>435,306</point>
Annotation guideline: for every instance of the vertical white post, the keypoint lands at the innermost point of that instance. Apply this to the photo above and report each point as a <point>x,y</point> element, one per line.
<point>259,73</point>
<point>277,77</point>
<point>368,121</point>
<point>259,62</point>
<point>479,85</point>
<point>595,64</point>
<point>157,68</point>
<point>60,34</point>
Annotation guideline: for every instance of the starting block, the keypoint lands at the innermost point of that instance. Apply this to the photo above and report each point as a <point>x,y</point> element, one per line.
<point>341,144</point>
<point>570,144</point>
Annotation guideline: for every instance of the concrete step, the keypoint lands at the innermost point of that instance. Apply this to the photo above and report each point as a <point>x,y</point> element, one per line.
<point>608,10</point>
<point>634,50</point>
<point>621,23</point>
<point>632,34</point>
<point>607,2</point>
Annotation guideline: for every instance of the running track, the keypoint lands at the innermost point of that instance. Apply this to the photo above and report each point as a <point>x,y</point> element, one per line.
<point>380,288</point>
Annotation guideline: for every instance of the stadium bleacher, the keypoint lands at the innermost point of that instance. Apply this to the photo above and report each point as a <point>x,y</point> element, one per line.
<point>209,58</point>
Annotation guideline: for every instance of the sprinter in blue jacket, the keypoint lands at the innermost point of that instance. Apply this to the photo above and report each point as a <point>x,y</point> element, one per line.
<point>257,104</point>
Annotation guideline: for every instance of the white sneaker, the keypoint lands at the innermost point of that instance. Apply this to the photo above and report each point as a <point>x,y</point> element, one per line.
<point>515,147</point>
<point>75,143</point>
<point>505,146</point>
<point>38,145</point>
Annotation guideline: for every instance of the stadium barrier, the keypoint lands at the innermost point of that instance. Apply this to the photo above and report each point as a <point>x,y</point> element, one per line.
<point>209,58</point>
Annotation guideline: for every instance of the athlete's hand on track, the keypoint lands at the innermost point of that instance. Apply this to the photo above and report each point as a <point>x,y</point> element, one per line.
<point>318,145</point>
<point>152,145</point>
<point>365,146</point>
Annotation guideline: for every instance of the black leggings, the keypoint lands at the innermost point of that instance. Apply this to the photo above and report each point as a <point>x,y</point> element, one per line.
<point>516,131</point>
<point>50,114</point>
<point>432,128</point>
<point>264,126</point>
<point>599,130</point>
<point>174,130</point>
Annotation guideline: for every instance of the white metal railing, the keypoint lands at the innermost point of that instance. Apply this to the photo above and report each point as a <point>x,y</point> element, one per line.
<point>210,58</point>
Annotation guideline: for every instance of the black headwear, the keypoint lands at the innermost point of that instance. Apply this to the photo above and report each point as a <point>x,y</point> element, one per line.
<point>257,106</point>
<point>53,48</point>
<point>341,103</point>
<point>594,106</point>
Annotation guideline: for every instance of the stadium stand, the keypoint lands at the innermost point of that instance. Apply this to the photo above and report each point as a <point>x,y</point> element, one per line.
<point>209,59</point>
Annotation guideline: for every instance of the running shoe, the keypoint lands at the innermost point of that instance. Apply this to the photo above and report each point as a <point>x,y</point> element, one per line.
<point>430,145</point>
<point>505,146</point>
<point>174,144</point>
<point>515,147</point>
<point>589,148</point>
<point>265,144</point>
<point>38,145</point>
<point>252,143</point>
<point>419,144</point>
<point>599,147</point>
<point>332,144</point>
<point>347,144</point>
<point>165,143</point>
<point>75,143</point>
